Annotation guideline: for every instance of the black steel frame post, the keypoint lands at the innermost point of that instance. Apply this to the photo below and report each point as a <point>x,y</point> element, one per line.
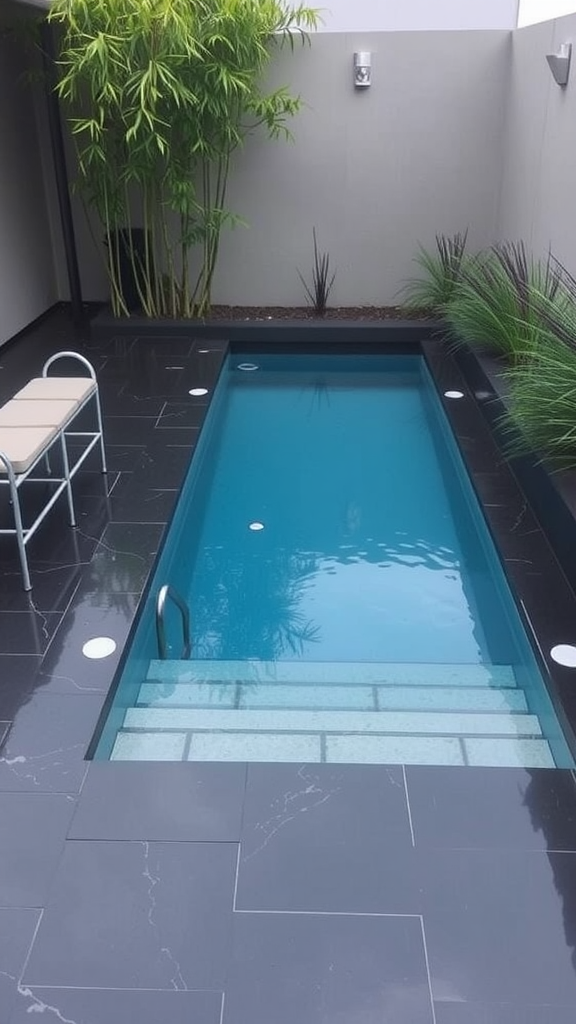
<point>60,170</point>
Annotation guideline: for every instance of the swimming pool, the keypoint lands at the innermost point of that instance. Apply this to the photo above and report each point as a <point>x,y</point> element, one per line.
<point>346,599</point>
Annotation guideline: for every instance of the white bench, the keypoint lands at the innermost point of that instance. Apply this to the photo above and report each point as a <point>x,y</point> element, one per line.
<point>36,421</point>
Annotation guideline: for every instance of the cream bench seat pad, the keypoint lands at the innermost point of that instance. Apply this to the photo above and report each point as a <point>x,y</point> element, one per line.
<point>39,413</point>
<point>77,388</point>
<point>23,445</point>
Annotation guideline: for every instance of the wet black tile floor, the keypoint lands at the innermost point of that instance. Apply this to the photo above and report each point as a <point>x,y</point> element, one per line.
<point>230,894</point>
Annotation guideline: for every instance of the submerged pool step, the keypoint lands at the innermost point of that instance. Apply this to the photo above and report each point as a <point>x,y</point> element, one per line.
<point>339,713</point>
<point>280,720</point>
<point>363,673</point>
<point>143,740</point>
<point>251,696</point>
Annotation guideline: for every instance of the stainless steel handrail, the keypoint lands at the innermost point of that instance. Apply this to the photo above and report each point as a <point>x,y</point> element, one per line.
<point>167,592</point>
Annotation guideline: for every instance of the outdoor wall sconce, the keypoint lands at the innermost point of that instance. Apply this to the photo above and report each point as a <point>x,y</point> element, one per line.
<point>362,69</point>
<point>560,63</point>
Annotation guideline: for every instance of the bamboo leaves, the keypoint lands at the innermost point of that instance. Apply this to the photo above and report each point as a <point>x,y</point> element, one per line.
<point>160,94</point>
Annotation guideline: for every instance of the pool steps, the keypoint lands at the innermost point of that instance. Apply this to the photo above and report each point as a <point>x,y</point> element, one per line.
<point>330,698</point>
<point>311,672</point>
<point>316,711</point>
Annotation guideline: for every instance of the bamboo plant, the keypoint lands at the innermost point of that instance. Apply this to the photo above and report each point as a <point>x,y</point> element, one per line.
<point>159,95</point>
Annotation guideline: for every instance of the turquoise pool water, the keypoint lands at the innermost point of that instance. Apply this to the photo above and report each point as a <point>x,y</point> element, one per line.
<point>346,599</point>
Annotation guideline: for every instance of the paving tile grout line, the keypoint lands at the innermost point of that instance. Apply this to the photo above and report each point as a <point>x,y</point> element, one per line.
<point>408,805</point>
<point>120,988</point>
<point>235,894</point>
<point>30,948</point>
<point>428,970</point>
<point>330,913</point>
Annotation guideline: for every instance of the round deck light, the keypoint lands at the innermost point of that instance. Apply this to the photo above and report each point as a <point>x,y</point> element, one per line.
<point>453,394</point>
<point>203,351</point>
<point>248,366</point>
<point>197,392</point>
<point>564,654</point>
<point>255,527</point>
<point>99,647</point>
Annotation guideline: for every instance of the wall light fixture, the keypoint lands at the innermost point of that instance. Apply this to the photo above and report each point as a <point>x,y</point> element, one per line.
<point>560,63</point>
<point>362,69</point>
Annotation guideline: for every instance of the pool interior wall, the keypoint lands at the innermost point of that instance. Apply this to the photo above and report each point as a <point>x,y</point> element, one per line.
<point>369,620</point>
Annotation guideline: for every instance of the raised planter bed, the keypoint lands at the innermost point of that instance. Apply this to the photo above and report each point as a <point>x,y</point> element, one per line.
<point>369,325</point>
<point>552,496</point>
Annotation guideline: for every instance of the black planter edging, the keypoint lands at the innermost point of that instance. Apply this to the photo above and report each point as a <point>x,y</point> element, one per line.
<point>526,540</point>
<point>333,332</point>
<point>548,505</point>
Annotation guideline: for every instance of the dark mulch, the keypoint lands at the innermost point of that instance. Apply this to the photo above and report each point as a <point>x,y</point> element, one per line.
<point>306,313</point>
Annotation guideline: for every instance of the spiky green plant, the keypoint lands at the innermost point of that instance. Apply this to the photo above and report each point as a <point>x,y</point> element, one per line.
<point>499,301</point>
<point>557,313</point>
<point>541,406</point>
<point>530,278</point>
<point>159,95</point>
<point>441,272</point>
<point>322,280</point>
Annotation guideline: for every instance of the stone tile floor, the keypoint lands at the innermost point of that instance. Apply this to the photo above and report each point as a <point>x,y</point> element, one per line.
<point>224,893</point>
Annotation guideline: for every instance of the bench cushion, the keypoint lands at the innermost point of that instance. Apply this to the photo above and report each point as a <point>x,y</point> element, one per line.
<point>23,445</point>
<point>57,387</point>
<point>39,413</point>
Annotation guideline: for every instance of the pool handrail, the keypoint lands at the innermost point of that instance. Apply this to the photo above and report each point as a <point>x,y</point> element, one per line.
<point>166,593</point>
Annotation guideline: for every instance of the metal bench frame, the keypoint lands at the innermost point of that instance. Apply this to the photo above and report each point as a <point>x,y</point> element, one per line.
<point>14,480</point>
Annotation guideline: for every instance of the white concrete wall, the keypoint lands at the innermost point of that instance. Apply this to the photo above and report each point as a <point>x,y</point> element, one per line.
<point>375,171</point>
<point>417,15</point>
<point>538,191</point>
<point>27,280</point>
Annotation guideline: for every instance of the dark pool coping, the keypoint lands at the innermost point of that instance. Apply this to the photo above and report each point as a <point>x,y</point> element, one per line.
<point>510,496</point>
<point>330,332</point>
<point>210,380</point>
<point>551,495</point>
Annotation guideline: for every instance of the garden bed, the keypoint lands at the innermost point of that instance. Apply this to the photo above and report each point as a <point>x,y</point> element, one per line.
<point>551,493</point>
<point>371,324</point>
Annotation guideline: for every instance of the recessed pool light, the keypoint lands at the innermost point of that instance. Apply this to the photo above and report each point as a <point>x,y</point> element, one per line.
<point>99,647</point>
<point>564,654</point>
<point>453,394</point>
<point>256,526</point>
<point>203,351</point>
<point>196,392</point>
<point>248,366</point>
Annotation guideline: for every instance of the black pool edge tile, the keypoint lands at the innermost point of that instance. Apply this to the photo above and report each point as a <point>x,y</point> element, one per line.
<point>28,866</point>
<point>105,326</point>
<point>452,1012</point>
<point>143,801</point>
<point>109,888</point>
<point>543,594</point>
<point>291,968</point>
<point>524,809</point>
<point>109,700</point>
<point>499,925</point>
<point>112,1006</point>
